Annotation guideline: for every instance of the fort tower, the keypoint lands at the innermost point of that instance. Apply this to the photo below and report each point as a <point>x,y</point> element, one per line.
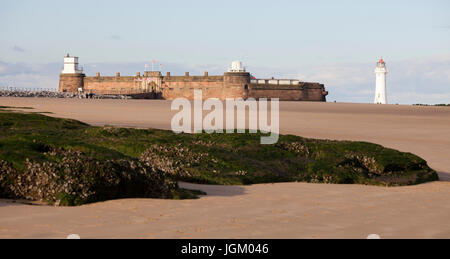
<point>72,78</point>
<point>237,81</point>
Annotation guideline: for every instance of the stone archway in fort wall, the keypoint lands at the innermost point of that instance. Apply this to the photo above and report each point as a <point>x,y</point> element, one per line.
<point>150,86</point>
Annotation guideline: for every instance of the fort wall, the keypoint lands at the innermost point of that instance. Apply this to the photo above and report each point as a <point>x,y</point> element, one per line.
<point>230,85</point>
<point>175,87</point>
<point>110,85</point>
<point>71,82</point>
<point>149,82</point>
<point>303,92</point>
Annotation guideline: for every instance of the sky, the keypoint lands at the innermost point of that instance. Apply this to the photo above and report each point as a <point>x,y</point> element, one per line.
<point>336,43</point>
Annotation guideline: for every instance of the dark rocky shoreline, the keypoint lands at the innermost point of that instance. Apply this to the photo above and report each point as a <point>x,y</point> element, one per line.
<point>54,94</point>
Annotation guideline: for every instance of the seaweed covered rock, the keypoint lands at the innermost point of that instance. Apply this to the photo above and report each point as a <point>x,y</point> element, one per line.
<point>390,171</point>
<point>122,162</point>
<point>173,160</point>
<point>73,178</point>
<point>7,174</point>
<point>299,159</point>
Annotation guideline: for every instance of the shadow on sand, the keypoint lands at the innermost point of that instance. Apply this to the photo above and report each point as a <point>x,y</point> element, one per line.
<point>216,190</point>
<point>12,202</point>
<point>443,176</point>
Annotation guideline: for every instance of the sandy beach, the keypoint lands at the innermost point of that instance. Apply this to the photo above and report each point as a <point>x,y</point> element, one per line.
<point>286,210</point>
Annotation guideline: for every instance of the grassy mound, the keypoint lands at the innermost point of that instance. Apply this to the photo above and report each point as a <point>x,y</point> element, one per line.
<point>68,162</point>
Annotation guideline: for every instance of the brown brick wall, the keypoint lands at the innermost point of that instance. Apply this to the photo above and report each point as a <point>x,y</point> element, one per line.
<point>314,93</point>
<point>215,89</point>
<point>71,82</point>
<point>111,85</point>
<point>230,85</point>
<point>240,78</point>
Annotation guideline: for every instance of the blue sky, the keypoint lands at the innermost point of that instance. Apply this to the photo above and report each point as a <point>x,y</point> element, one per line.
<point>333,42</point>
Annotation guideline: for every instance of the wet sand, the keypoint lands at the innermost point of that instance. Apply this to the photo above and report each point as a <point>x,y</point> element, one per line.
<point>289,210</point>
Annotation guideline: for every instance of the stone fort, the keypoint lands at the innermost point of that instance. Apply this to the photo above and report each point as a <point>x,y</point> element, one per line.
<point>236,83</point>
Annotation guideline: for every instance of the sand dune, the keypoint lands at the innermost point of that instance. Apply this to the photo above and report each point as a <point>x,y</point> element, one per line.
<point>290,210</point>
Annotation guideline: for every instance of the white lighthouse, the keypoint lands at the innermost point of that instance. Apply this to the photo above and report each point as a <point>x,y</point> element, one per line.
<point>380,92</point>
<point>236,66</point>
<point>71,65</point>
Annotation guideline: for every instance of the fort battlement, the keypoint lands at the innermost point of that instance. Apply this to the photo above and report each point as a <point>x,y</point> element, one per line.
<point>193,78</point>
<point>236,83</point>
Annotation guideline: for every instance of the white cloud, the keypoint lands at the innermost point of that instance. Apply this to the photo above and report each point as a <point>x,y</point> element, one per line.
<point>18,48</point>
<point>29,81</point>
<point>115,37</point>
<point>29,75</point>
